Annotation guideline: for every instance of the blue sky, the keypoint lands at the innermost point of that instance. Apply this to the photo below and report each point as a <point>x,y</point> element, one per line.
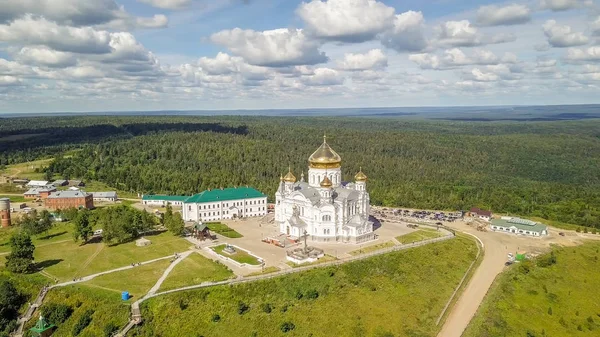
<point>112,55</point>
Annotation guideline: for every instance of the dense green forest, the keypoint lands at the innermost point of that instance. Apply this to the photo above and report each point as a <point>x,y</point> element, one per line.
<point>542,169</point>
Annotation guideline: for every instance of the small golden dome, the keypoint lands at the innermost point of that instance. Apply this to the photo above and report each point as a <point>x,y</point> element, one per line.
<point>325,157</point>
<point>326,182</point>
<point>289,177</point>
<point>360,176</point>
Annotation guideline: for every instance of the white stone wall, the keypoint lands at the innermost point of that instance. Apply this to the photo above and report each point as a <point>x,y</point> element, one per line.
<point>219,210</point>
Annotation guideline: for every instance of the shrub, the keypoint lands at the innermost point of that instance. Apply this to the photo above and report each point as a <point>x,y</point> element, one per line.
<point>585,229</point>
<point>594,230</point>
<point>578,230</point>
<point>550,311</point>
<point>243,308</point>
<point>183,304</point>
<point>562,322</point>
<point>530,333</point>
<point>215,318</point>
<point>312,294</point>
<point>56,313</point>
<point>267,308</point>
<point>299,295</point>
<point>284,308</point>
<point>110,329</point>
<point>287,327</point>
<point>83,322</point>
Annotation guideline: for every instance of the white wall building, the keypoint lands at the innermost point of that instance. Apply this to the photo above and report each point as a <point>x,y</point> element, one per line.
<point>228,203</point>
<point>104,196</point>
<point>323,207</point>
<point>519,226</point>
<point>163,200</point>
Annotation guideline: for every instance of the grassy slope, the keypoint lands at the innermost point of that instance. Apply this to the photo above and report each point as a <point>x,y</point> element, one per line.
<point>107,305</point>
<point>137,281</point>
<point>372,248</point>
<point>401,292</point>
<point>518,302</point>
<point>195,269</point>
<point>419,235</point>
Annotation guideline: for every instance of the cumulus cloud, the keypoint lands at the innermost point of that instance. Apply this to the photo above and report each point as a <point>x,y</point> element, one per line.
<point>591,54</point>
<point>78,13</point>
<point>373,59</point>
<point>36,56</point>
<point>512,14</point>
<point>463,34</point>
<point>455,57</point>
<point>9,81</point>
<point>563,36</point>
<point>407,33</point>
<point>560,5</point>
<point>323,77</point>
<point>595,26</point>
<point>167,4</point>
<point>273,48</point>
<point>346,20</point>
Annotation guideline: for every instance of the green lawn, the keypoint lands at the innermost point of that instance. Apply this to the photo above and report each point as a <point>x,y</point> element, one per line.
<point>65,260</point>
<point>532,300</point>
<point>372,248</point>
<point>418,235</point>
<point>60,232</point>
<point>107,306</point>
<point>27,169</point>
<point>14,198</point>
<point>240,255</point>
<point>137,281</point>
<point>398,294</point>
<point>223,229</point>
<point>195,269</point>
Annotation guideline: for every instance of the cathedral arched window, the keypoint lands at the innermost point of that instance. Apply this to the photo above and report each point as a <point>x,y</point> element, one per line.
<point>326,217</point>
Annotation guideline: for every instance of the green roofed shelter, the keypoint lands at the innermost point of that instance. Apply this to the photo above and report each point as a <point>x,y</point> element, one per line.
<point>42,328</point>
<point>519,226</point>
<point>225,203</point>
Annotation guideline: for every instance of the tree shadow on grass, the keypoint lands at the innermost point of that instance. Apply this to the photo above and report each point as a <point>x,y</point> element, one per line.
<point>50,236</point>
<point>47,263</point>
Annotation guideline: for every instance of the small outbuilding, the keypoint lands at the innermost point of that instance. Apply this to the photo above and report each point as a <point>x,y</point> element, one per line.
<point>142,242</point>
<point>42,328</point>
<point>201,231</point>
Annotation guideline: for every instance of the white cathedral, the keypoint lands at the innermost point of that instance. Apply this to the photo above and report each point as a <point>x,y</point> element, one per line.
<point>324,208</point>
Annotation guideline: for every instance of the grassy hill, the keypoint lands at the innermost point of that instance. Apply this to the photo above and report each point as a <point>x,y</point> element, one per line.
<point>539,298</point>
<point>396,294</point>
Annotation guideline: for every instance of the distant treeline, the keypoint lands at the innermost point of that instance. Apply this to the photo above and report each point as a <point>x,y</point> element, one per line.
<point>545,169</point>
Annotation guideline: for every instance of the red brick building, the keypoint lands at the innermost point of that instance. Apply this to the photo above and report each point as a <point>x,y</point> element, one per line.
<point>68,199</point>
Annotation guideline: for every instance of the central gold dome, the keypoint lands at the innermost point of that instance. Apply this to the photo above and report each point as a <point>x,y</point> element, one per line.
<point>325,157</point>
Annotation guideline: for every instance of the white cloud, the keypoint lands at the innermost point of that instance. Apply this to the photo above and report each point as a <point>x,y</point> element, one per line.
<point>40,31</point>
<point>46,57</point>
<point>323,77</point>
<point>591,54</point>
<point>595,26</point>
<point>346,20</point>
<point>275,48</point>
<point>512,14</point>
<point>8,81</point>
<point>407,33</point>
<point>456,58</point>
<point>560,5</point>
<point>563,36</point>
<point>167,4</point>
<point>477,75</point>
<point>373,59</point>
<point>78,13</point>
<point>463,34</point>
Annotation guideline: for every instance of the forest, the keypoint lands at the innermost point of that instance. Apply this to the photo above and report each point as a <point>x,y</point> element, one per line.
<point>548,170</point>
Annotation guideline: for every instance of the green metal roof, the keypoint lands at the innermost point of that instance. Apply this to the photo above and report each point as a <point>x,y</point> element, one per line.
<point>522,224</point>
<point>232,193</point>
<point>165,197</point>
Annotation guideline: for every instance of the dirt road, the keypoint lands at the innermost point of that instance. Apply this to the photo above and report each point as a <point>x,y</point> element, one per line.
<point>496,248</point>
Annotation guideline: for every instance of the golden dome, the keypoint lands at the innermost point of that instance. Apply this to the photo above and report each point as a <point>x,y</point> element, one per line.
<point>360,176</point>
<point>325,157</point>
<point>289,177</point>
<point>326,182</point>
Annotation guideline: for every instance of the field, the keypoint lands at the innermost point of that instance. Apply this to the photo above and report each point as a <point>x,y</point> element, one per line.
<point>137,281</point>
<point>419,235</point>
<point>400,294</point>
<point>59,233</point>
<point>223,229</point>
<point>544,299</point>
<point>66,259</point>
<point>372,248</point>
<point>195,269</point>
<point>239,256</point>
<point>14,198</point>
<point>27,169</point>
